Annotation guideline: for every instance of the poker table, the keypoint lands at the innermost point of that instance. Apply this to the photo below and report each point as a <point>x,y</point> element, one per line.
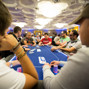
<point>45,52</point>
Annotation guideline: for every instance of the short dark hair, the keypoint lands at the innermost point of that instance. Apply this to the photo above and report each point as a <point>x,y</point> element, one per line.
<point>75,32</point>
<point>10,33</point>
<point>16,29</point>
<point>5,18</point>
<point>65,32</point>
<point>46,34</point>
<point>55,33</point>
<point>58,34</point>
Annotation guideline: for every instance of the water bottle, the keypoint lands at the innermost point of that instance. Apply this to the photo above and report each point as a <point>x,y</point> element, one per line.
<point>19,69</point>
<point>55,69</point>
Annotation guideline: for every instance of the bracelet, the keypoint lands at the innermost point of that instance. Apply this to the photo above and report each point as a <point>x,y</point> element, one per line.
<point>16,49</point>
<point>12,50</point>
<point>20,52</point>
<point>21,56</point>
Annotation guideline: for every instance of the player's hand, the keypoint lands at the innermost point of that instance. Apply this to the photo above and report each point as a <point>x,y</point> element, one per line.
<point>34,45</point>
<point>16,62</point>
<point>24,45</point>
<point>45,44</point>
<point>55,63</point>
<point>47,64</point>
<point>8,42</point>
<point>42,44</point>
<point>27,49</point>
<point>71,54</point>
<point>54,48</point>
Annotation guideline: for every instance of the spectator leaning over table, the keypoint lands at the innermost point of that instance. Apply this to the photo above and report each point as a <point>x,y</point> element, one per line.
<point>72,46</point>
<point>74,74</point>
<point>63,39</point>
<point>46,40</point>
<point>29,40</point>
<point>9,78</point>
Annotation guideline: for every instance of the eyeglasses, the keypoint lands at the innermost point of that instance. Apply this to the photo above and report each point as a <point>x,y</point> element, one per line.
<point>70,35</point>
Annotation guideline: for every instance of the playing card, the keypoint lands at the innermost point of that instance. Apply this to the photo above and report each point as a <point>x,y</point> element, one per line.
<point>31,52</point>
<point>42,60</point>
<point>38,50</point>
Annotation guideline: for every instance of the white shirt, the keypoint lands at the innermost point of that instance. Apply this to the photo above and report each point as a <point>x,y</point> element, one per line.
<point>9,78</point>
<point>74,74</point>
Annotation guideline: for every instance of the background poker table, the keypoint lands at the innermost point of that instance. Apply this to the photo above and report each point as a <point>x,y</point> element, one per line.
<point>47,54</point>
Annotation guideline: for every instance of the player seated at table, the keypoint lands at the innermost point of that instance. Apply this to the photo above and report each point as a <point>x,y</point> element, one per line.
<point>9,78</point>
<point>29,40</point>
<point>17,34</point>
<point>63,38</point>
<point>75,74</point>
<point>72,46</point>
<point>46,40</point>
<point>37,39</point>
<point>55,39</point>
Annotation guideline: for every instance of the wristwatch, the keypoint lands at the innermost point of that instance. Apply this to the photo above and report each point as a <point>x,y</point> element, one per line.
<point>11,65</point>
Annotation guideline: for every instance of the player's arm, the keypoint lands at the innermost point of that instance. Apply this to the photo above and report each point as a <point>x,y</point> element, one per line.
<point>13,63</point>
<point>38,40</point>
<point>50,42</point>
<point>68,49</point>
<point>34,43</point>
<point>25,42</point>
<point>41,43</point>
<point>61,44</point>
<point>28,68</point>
<point>58,47</point>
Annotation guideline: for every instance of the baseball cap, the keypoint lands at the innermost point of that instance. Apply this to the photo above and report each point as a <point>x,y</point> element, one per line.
<point>84,14</point>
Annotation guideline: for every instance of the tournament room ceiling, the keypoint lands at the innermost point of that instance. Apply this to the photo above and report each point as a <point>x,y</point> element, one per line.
<point>44,14</point>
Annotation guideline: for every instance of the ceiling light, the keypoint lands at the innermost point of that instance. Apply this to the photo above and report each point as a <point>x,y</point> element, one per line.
<point>38,0</point>
<point>20,24</point>
<point>60,25</point>
<point>49,9</point>
<point>39,27</point>
<point>42,21</point>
